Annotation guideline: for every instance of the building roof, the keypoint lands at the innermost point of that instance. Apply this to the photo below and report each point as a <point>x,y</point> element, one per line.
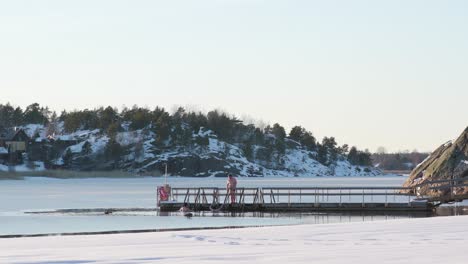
<point>7,134</point>
<point>10,133</point>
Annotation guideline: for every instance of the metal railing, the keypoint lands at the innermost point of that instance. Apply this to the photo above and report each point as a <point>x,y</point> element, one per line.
<point>443,191</point>
<point>289,195</point>
<point>435,192</point>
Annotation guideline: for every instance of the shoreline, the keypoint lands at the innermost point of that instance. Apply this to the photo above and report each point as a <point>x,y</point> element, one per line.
<point>137,231</point>
<point>65,175</point>
<point>68,174</point>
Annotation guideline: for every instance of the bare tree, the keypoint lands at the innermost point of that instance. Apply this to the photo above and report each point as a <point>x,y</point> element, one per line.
<point>381,150</point>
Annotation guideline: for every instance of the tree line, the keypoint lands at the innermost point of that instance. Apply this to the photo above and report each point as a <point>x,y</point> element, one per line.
<point>398,161</point>
<point>181,127</point>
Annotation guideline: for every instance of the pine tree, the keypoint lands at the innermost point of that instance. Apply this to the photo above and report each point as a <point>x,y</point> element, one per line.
<point>9,116</point>
<point>365,158</point>
<point>304,137</point>
<point>86,149</point>
<point>296,133</point>
<point>35,114</point>
<point>113,129</point>
<point>107,117</point>
<point>259,137</point>
<point>343,150</point>
<point>202,141</point>
<point>330,144</point>
<point>280,147</point>
<point>278,131</point>
<point>353,156</point>
<point>248,151</point>
<point>18,117</point>
<point>322,155</point>
<point>162,128</point>
<point>113,150</point>
<point>139,150</point>
<point>67,158</point>
<point>52,126</point>
<point>308,140</point>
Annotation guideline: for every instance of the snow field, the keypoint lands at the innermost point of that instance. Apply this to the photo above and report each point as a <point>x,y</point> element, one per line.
<point>427,240</point>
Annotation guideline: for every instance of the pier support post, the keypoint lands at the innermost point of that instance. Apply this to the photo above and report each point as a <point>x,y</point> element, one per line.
<point>363,205</point>
<point>386,202</point>
<point>340,197</point>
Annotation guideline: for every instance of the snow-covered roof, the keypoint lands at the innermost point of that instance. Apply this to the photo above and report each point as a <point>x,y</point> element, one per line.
<point>10,133</point>
<point>32,129</point>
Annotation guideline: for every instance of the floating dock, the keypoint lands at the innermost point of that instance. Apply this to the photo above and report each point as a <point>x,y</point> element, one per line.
<point>295,199</point>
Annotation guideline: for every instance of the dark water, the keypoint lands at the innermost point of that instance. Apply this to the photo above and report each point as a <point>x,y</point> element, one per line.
<point>451,210</point>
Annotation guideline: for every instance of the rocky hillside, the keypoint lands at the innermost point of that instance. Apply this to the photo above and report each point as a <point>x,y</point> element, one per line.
<point>190,143</point>
<point>206,155</point>
<point>448,161</point>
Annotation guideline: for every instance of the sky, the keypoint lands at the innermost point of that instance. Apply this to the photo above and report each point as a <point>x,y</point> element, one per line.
<point>370,73</point>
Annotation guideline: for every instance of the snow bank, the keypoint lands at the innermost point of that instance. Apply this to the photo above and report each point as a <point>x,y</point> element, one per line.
<point>98,143</point>
<point>427,240</point>
<point>3,150</point>
<point>128,138</point>
<point>34,166</point>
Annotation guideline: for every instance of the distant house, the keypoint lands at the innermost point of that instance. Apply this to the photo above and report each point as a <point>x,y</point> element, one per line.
<point>14,140</point>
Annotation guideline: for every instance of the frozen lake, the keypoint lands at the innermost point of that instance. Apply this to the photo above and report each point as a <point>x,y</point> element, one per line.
<point>46,193</point>
<point>39,194</point>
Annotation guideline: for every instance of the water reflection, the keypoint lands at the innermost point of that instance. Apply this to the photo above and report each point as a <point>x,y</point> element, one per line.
<point>452,210</point>
<point>336,217</point>
<point>97,221</point>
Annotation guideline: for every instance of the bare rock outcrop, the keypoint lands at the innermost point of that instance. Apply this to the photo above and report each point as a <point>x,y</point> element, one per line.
<point>449,161</point>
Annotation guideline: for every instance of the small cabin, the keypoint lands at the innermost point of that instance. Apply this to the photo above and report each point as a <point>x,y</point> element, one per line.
<point>14,140</point>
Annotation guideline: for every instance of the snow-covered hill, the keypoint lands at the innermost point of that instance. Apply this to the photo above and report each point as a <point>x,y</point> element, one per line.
<point>205,155</point>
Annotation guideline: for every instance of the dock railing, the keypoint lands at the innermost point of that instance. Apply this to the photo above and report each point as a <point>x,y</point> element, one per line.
<point>428,193</point>
<point>292,195</point>
<point>443,191</point>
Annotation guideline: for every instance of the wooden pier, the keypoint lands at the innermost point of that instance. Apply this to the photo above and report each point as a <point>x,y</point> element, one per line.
<point>298,199</point>
<point>421,197</point>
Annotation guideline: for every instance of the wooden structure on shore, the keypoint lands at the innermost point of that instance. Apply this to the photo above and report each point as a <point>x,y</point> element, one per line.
<point>317,199</point>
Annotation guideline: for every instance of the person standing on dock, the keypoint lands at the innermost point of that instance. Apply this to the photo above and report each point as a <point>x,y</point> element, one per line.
<point>231,187</point>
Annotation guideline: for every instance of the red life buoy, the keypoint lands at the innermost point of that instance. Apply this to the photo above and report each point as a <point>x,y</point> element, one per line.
<point>163,196</point>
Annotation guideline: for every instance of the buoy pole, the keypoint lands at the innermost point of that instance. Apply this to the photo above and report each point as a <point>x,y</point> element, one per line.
<point>165,175</point>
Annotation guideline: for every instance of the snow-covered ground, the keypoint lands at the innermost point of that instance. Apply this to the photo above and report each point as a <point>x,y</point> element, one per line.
<point>428,240</point>
<point>34,166</point>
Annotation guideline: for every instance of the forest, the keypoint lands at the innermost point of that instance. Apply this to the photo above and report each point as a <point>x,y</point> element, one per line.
<point>177,129</point>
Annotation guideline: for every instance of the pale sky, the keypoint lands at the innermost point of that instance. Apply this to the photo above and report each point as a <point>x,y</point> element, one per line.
<point>371,73</point>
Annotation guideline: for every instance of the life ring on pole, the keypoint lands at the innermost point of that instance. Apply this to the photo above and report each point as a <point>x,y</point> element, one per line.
<point>163,195</point>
